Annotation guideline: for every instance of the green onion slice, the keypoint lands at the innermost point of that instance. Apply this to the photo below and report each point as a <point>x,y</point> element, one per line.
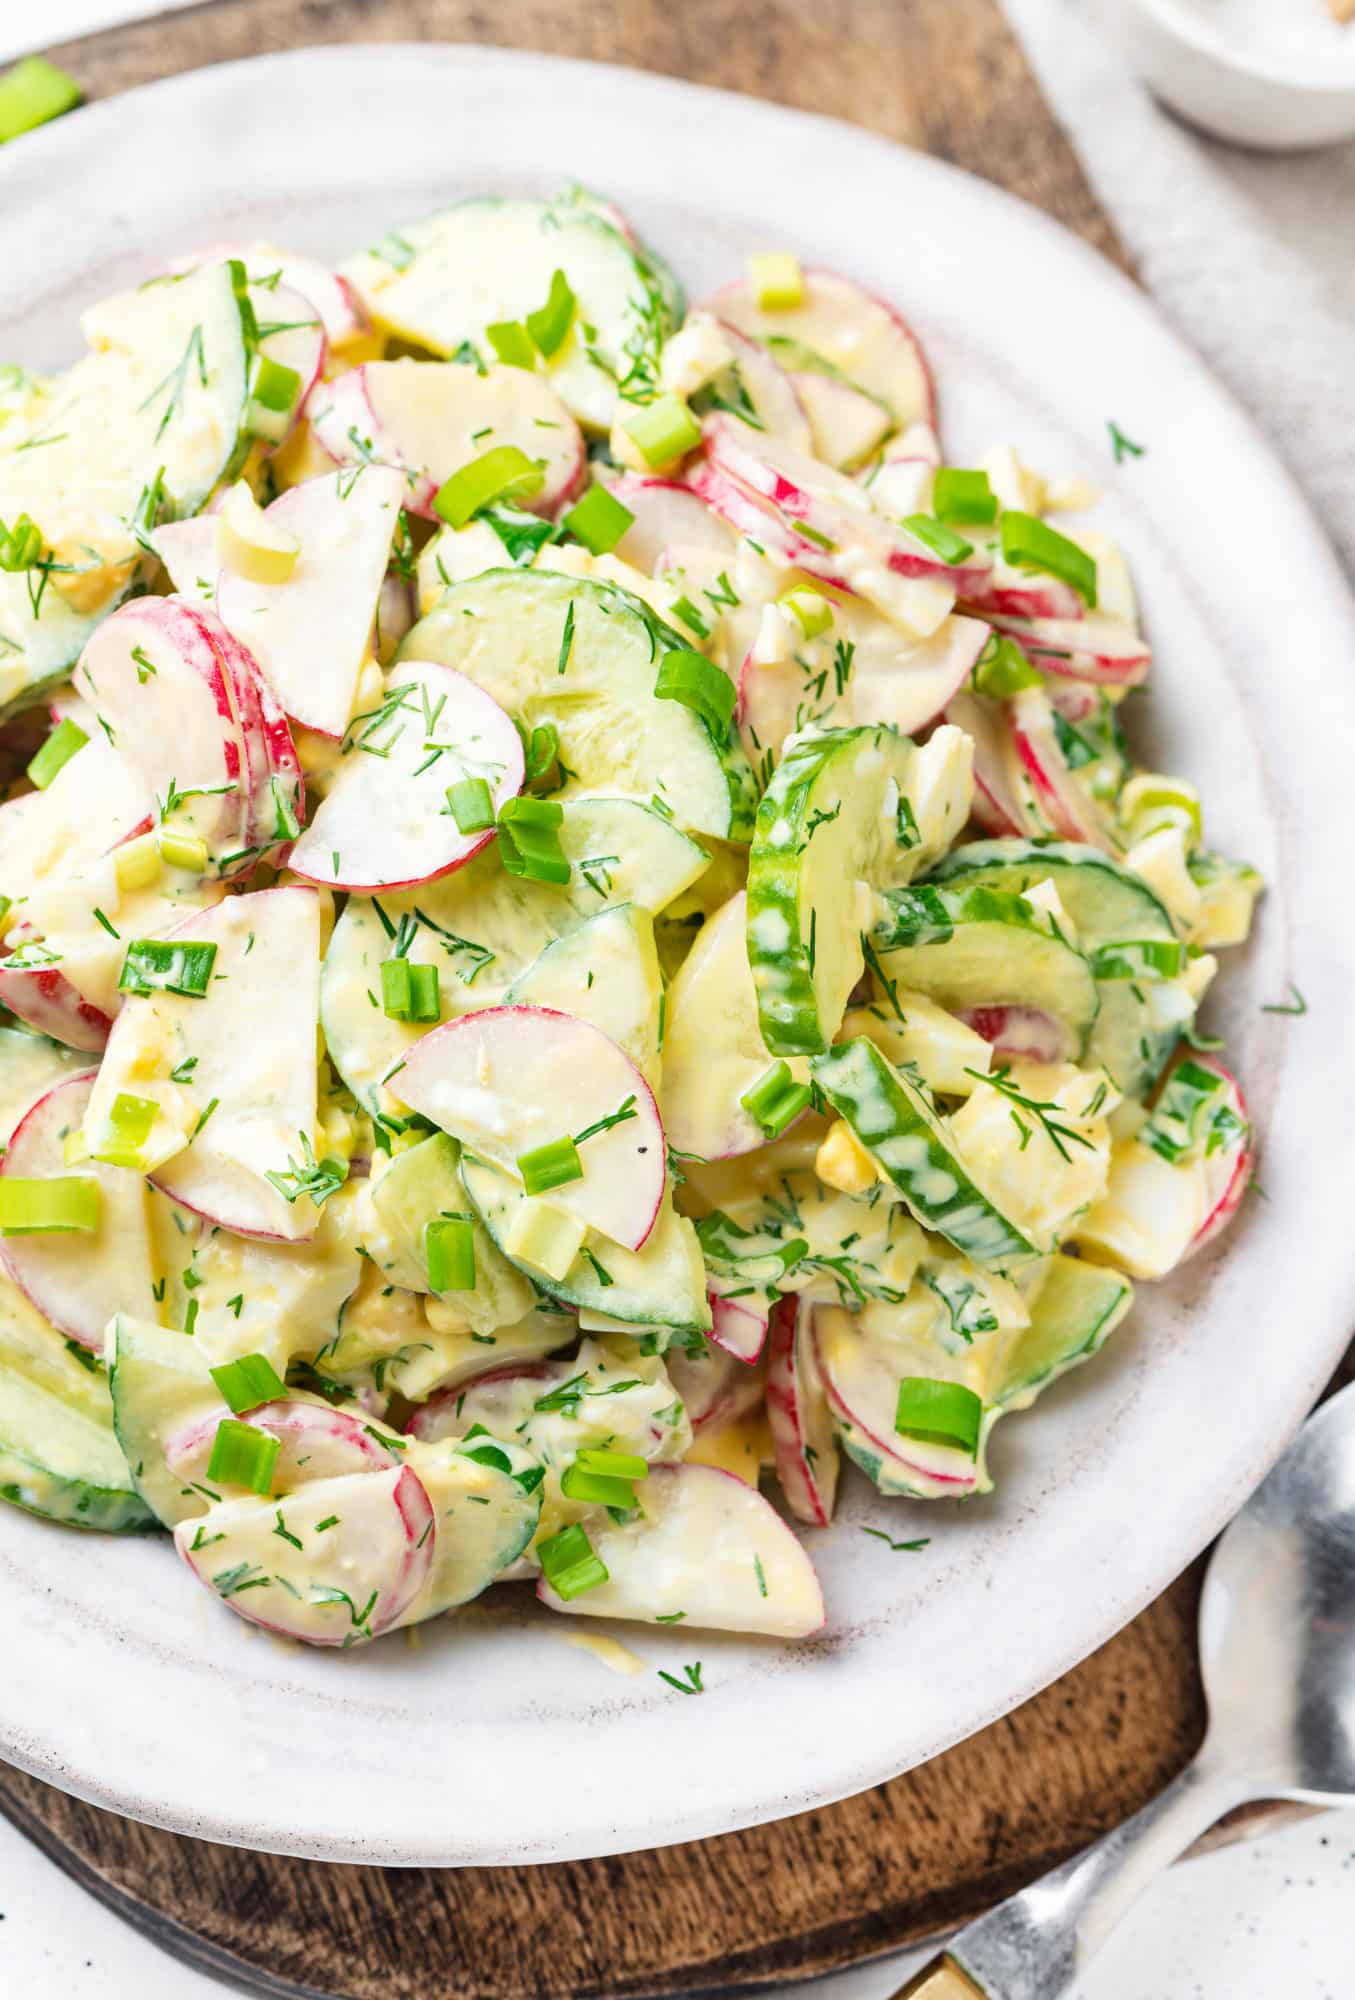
<point>1138,958</point>
<point>1003,668</point>
<point>243,1456</point>
<point>274,387</point>
<point>959,495</point>
<point>549,324</point>
<point>512,343</point>
<point>663,430</point>
<point>409,991</point>
<point>529,840</point>
<point>700,686</point>
<point>1031,543</point>
<point>56,752</point>
<point>550,1166</point>
<point>595,1489</point>
<point>503,470</point>
<point>248,1382</point>
<point>470,805</point>
<point>34,92</point>
<point>569,1563</point>
<point>152,966</point>
<point>34,1207</point>
<point>941,540</point>
<point>939,1413</point>
<point>449,1253</point>
<point>776,1100</point>
<point>598,520</point>
<point>612,1464</point>
<point>129,1124</point>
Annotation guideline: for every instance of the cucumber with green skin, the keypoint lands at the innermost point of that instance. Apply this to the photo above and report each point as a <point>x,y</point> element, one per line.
<point>847,811</point>
<point>160,408</point>
<point>584,657</point>
<point>893,1119</point>
<point>662,1285</point>
<point>982,947</point>
<point>606,972</point>
<point>1073,1312</point>
<point>160,1384</point>
<point>483,928</point>
<point>59,1456</point>
<point>1139,1019</point>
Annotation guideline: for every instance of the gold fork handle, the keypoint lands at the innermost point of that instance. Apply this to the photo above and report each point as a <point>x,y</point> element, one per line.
<point>941,1980</point>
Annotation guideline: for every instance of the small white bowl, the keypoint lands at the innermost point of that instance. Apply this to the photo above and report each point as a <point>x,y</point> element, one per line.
<point>1257,91</point>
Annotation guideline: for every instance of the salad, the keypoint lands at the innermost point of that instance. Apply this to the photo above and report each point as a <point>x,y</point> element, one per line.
<point>582,932</point>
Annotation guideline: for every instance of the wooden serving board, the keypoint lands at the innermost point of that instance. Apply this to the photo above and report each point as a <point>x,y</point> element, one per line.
<point>926,1851</point>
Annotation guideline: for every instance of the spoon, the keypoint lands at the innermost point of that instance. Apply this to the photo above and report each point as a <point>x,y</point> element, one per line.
<point>1277,1651</point>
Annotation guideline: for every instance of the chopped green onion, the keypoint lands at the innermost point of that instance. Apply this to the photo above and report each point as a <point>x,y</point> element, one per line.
<point>154,967</point>
<point>700,686</point>
<point>1138,958</point>
<point>540,749</point>
<point>964,496</point>
<point>598,520</point>
<point>34,92</point>
<point>512,343</point>
<point>550,1166</point>
<point>20,546</point>
<point>129,1124</point>
<point>529,840</point>
<point>1031,543</point>
<point>248,1382</point>
<point>286,825</point>
<point>449,1253</point>
<point>409,992</point>
<point>812,613</point>
<point>56,752</point>
<point>275,387</point>
<point>684,609</point>
<point>613,1464</point>
<point>569,1563</point>
<point>663,430</point>
<point>776,1100</point>
<point>243,1456</point>
<point>1003,668</point>
<point>183,850</point>
<point>552,321</point>
<point>939,1413</point>
<point>776,281</point>
<point>470,805</point>
<point>941,540</point>
<point>595,1489</point>
<point>136,864</point>
<point>33,1207</point>
<point>1150,802</point>
<point>503,470</point>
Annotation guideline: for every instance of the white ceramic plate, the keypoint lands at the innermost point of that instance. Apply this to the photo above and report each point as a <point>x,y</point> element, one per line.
<point>493,1741</point>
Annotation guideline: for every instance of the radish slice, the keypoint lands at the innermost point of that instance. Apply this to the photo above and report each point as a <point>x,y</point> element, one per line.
<point>1023,593</point>
<point>156,679</point>
<point>707,1545</point>
<point>78,1281</point>
<point>96,800</point>
<point>385,822</point>
<point>807,1458</point>
<point>1061,801</point>
<point>347,1582</point>
<point>777,405</point>
<point>291,334</point>
<point>1228,1171</point>
<point>310,635</point>
<point>275,780</point>
<point>499,1401</point>
<point>847,427</point>
<point>511,1079</point>
<point>666,512</point>
<point>332,297</point>
<point>900,483</point>
<point>428,418</point>
<point>1025,1033</point>
<point>995,806</point>
<point>738,1330</point>
<point>248,1108</point>
<point>850,327</point>
<point>862,1392</point>
<point>42,996</point>
<point>1086,649</point>
<point>315,1442</point>
<point>716,1387</point>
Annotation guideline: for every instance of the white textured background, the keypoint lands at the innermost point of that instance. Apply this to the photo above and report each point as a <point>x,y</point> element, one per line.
<point>1251,257</point>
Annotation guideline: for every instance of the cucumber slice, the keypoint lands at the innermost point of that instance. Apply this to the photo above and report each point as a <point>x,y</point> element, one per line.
<point>848,810</point>
<point>605,972</point>
<point>485,1494</point>
<point>985,947</point>
<point>1139,1021</point>
<point>662,1285</point>
<point>913,1145</point>
<point>442,281</point>
<point>1075,1309</point>
<point>59,1456</point>
<point>584,657</point>
<point>482,928</point>
<point>164,397</point>
<point>30,1065</point>
<point>160,1384</point>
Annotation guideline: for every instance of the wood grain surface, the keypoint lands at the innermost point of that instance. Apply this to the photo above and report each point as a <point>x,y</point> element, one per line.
<point>926,1851</point>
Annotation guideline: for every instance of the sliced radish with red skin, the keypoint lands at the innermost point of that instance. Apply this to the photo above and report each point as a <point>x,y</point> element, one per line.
<point>78,1281</point>
<point>995,806</point>
<point>1076,701</point>
<point>154,675</point>
<point>429,418</point>
<point>708,1545</point>
<point>716,1387</point>
<point>270,752</point>
<point>315,1442</point>
<point>510,1079</point>
<point>900,480</point>
<point>858,332</point>
<point>1085,649</point>
<point>1228,1171</point>
<point>1061,800</point>
<point>665,511</point>
<point>847,427</point>
<point>891,681</point>
<point>47,1001</point>
<point>805,1448</point>
<point>497,1393</point>
<point>1026,1033</point>
<point>862,1391</point>
<point>747,515</point>
<point>386,817</point>
<point>348,1582</point>
<point>310,636</point>
<point>297,341</point>
<point>331,296</point>
<point>1023,593</point>
<point>738,1330</point>
<point>95,802</point>
<point>772,392</point>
